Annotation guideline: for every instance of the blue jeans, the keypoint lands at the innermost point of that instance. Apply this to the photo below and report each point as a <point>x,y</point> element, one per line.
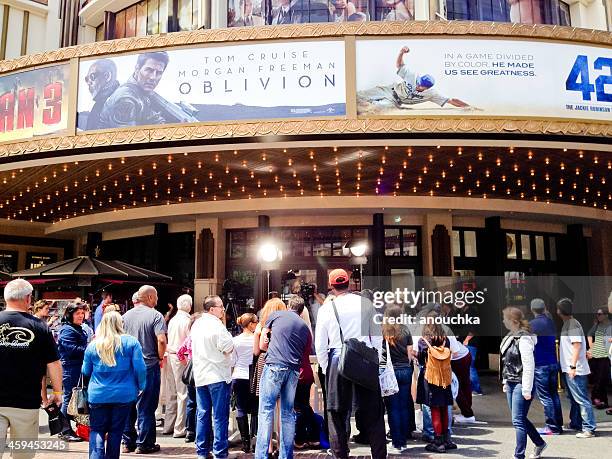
<point>581,410</point>
<point>428,430</point>
<point>143,413</point>
<point>400,408</point>
<point>519,407</point>
<point>276,381</point>
<point>70,378</point>
<point>213,398</point>
<point>107,419</point>
<point>190,411</point>
<point>545,382</point>
<point>475,380</point>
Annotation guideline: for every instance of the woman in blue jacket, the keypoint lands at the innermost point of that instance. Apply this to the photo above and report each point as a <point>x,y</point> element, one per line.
<point>71,343</point>
<point>115,365</point>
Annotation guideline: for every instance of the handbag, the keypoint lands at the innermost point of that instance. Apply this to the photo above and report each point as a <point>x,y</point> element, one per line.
<point>187,376</point>
<point>438,369</point>
<point>56,423</point>
<point>78,399</point>
<point>388,381</point>
<point>358,362</point>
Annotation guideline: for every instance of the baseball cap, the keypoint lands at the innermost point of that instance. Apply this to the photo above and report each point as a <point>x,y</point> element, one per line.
<point>338,277</point>
<point>426,80</point>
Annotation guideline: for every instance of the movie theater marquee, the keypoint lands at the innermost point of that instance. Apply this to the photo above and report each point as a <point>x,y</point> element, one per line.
<point>318,78</point>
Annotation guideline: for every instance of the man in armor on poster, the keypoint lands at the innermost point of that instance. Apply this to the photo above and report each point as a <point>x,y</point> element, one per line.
<point>135,103</point>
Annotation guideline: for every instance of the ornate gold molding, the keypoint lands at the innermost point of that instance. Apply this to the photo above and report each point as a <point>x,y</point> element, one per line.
<point>497,29</point>
<point>348,126</point>
<point>456,126</point>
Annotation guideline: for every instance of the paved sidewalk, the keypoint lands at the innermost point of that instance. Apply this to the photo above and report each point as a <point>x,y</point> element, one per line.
<point>495,439</point>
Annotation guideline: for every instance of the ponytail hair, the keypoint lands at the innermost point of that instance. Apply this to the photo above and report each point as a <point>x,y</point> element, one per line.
<point>517,316</point>
<point>246,319</point>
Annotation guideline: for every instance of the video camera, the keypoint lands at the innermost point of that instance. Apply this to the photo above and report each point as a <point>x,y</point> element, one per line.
<point>307,291</point>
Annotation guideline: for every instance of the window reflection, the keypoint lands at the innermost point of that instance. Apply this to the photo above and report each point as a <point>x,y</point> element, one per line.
<point>518,11</point>
<point>469,240</point>
<point>525,247</point>
<point>241,13</point>
<point>394,10</point>
<point>151,17</point>
<point>456,243</point>
<point>511,245</point>
<point>409,237</point>
<point>392,242</point>
<point>539,242</point>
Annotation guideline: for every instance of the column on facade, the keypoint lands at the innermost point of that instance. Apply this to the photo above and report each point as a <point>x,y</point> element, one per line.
<point>588,14</point>
<point>435,242</point>
<point>209,259</point>
<point>601,263</point>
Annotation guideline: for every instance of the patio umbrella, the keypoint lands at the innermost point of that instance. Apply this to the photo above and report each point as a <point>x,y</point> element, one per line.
<point>90,267</point>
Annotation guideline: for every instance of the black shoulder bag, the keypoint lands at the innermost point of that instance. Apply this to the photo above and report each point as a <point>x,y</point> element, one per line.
<point>187,377</point>
<point>358,362</point>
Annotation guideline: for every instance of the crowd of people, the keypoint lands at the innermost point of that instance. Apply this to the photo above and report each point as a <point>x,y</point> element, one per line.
<point>133,363</point>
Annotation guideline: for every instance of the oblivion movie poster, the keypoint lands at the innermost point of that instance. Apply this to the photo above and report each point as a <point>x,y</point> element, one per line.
<point>34,103</point>
<point>254,81</point>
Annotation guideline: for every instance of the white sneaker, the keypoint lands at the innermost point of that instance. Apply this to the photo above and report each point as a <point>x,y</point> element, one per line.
<point>460,419</point>
<point>537,451</point>
<point>394,451</point>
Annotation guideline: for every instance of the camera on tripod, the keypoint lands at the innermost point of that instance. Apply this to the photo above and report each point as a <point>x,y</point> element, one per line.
<point>307,291</point>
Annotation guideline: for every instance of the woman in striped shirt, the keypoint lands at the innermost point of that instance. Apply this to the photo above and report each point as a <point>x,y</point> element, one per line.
<point>599,360</point>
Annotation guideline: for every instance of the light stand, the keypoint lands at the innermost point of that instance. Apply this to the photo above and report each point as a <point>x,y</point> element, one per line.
<point>269,255</point>
<point>357,249</point>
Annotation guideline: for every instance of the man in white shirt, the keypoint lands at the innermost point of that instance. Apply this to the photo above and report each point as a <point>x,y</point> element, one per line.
<point>575,369</point>
<point>178,329</point>
<point>212,348</point>
<point>340,390</point>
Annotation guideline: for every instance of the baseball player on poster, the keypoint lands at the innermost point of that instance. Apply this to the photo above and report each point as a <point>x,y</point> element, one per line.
<point>413,89</point>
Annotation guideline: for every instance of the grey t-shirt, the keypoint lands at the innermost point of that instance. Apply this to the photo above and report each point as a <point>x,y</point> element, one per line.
<point>290,337</point>
<point>144,324</point>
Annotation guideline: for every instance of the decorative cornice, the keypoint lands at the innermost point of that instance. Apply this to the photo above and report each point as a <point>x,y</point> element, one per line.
<point>497,29</point>
<point>200,132</point>
<point>308,127</point>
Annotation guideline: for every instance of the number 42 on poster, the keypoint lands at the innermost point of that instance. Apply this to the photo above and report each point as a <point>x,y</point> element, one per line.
<point>578,78</point>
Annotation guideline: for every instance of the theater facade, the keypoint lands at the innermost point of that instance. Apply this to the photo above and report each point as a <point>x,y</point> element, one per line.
<point>450,148</point>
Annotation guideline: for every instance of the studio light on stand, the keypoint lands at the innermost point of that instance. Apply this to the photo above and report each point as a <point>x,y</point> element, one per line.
<point>268,255</point>
<point>357,249</point>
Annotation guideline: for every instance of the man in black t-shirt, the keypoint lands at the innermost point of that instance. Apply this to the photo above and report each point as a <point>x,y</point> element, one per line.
<point>27,352</point>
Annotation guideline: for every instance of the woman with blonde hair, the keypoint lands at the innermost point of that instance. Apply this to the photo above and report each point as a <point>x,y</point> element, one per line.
<point>272,305</point>
<point>115,365</point>
<point>518,368</point>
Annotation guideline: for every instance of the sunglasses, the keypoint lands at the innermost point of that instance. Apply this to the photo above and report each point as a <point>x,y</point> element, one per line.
<point>90,78</point>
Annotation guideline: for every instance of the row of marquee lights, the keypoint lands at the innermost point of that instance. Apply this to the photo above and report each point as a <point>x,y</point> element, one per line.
<point>160,196</point>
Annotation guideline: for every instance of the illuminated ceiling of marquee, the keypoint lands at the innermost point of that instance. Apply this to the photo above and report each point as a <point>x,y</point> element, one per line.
<point>57,192</point>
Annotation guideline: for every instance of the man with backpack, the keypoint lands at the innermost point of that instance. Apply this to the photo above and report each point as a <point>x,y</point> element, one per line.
<point>338,321</point>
